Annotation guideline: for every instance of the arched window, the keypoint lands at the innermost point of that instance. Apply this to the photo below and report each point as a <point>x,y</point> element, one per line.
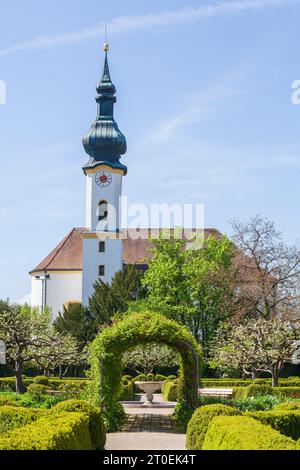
<point>102,210</point>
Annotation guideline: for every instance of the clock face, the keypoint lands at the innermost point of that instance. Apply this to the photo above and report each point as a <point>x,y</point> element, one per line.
<point>103,178</point>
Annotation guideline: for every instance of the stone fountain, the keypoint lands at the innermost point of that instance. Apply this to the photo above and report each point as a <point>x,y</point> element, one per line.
<point>149,388</point>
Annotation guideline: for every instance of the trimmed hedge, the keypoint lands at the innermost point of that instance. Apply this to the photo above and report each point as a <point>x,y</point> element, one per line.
<point>8,401</point>
<point>95,421</point>
<point>127,391</point>
<point>252,391</point>
<point>288,405</point>
<point>255,390</point>
<point>12,417</point>
<point>161,378</point>
<point>244,433</point>
<point>286,392</point>
<point>41,380</point>
<point>170,391</point>
<point>200,421</point>
<point>37,389</point>
<point>64,431</point>
<point>286,422</point>
<point>9,383</point>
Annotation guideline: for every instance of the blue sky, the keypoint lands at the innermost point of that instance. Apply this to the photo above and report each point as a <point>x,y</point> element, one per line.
<point>204,99</point>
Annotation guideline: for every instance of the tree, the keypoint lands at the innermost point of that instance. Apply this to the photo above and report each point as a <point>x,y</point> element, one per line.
<point>111,299</point>
<point>22,331</point>
<point>29,338</point>
<point>270,269</point>
<point>149,357</point>
<point>195,287</point>
<point>58,350</point>
<point>258,345</point>
<point>77,321</point>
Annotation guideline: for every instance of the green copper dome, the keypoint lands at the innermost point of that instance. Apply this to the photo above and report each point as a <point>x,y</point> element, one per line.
<point>104,142</point>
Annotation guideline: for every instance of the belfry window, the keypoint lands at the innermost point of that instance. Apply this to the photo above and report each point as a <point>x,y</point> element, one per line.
<point>101,271</point>
<point>102,210</point>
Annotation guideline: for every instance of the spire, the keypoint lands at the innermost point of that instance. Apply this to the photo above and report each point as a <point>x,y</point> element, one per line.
<point>104,142</point>
<point>106,85</point>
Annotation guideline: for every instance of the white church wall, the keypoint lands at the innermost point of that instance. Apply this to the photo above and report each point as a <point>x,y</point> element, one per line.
<point>62,287</point>
<point>112,260</point>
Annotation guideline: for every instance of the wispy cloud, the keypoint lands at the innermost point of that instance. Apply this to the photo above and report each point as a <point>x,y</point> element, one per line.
<point>166,19</point>
<point>205,106</point>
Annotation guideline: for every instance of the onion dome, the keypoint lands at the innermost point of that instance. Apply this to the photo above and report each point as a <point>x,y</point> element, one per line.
<point>104,142</point>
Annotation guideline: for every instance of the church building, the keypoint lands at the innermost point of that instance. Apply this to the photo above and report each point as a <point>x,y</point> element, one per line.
<point>101,248</point>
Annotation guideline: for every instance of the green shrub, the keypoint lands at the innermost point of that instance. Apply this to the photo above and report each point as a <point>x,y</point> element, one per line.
<point>200,421</point>
<point>12,417</point>
<point>262,381</point>
<point>223,383</point>
<point>150,377</point>
<point>182,415</point>
<point>127,377</point>
<point>96,423</point>
<point>127,391</point>
<point>172,377</point>
<point>244,433</point>
<point>114,418</point>
<point>260,403</point>
<point>170,391</point>
<point>64,431</point>
<point>140,378</point>
<point>240,393</point>
<point>288,405</point>
<point>41,380</point>
<point>286,392</point>
<point>72,389</point>
<point>8,401</point>
<point>286,422</point>
<point>36,390</point>
<point>160,378</point>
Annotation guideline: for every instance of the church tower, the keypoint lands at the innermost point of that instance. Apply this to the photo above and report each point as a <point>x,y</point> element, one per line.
<point>102,246</point>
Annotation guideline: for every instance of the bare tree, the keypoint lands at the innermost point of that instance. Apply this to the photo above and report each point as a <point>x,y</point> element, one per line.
<point>269,269</point>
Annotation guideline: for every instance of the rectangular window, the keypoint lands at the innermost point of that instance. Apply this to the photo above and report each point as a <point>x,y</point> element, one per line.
<point>101,247</point>
<point>101,270</point>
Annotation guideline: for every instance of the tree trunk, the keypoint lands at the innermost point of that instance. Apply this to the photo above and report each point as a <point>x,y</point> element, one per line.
<point>275,377</point>
<point>254,374</point>
<point>20,389</point>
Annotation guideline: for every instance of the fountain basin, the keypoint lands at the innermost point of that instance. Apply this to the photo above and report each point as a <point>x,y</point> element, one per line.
<point>149,388</point>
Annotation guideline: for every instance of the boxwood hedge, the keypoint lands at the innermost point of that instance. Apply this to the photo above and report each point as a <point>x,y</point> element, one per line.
<point>12,417</point>
<point>61,431</point>
<point>286,422</point>
<point>200,421</point>
<point>170,390</point>
<point>95,420</point>
<point>244,433</point>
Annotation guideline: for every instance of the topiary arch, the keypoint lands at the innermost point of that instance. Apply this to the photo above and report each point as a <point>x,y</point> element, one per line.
<point>141,328</point>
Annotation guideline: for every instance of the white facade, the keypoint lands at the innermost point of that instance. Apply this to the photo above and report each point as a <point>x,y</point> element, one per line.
<point>62,287</point>
<point>111,259</point>
<point>102,250</point>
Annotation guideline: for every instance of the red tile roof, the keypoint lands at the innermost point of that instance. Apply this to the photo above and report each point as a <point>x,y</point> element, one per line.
<point>67,256</point>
